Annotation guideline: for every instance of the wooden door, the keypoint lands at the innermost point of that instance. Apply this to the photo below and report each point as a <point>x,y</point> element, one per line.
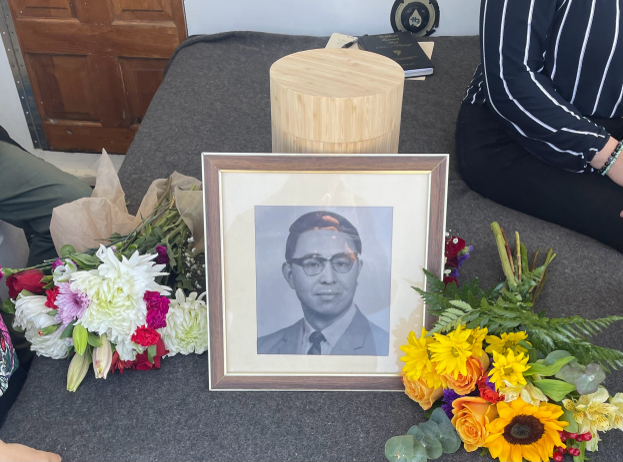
<point>94,65</point>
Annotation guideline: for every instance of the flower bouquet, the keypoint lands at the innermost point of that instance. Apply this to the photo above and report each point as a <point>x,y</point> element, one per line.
<point>513,383</point>
<point>110,305</point>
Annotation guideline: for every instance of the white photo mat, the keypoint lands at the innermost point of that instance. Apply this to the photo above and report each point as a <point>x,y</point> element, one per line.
<point>409,196</point>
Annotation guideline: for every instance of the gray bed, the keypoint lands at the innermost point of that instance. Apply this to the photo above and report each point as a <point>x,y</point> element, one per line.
<point>215,97</point>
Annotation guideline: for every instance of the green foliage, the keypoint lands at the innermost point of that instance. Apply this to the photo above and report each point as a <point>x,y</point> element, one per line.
<point>94,340</point>
<point>8,306</point>
<point>405,449</point>
<point>428,440</point>
<point>69,330</point>
<point>554,389</point>
<point>509,307</point>
<point>548,370</point>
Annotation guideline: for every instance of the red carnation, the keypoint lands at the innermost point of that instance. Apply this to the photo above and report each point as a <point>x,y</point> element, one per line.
<point>487,393</point>
<point>52,294</point>
<point>29,280</point>
<point>142,362</point>
<point>454,245</point>
<point>145,336</point>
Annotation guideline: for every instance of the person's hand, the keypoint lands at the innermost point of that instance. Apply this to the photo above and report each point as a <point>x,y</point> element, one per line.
<point>21,453</point>
<point>616,171</point>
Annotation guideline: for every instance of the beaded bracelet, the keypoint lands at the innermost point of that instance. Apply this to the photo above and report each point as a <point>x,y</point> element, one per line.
<point>612,159</point>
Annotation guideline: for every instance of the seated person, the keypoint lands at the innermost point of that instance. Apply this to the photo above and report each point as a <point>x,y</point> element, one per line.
<point>29,190</point>
<point>539,128</point>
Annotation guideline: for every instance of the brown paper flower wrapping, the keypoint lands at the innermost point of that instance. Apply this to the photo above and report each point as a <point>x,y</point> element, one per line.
<point>90,221</point>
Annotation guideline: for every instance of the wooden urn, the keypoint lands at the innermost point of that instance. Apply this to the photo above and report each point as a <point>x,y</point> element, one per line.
<point>336,101</point>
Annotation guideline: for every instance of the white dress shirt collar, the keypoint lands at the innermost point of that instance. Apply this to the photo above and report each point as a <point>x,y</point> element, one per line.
<point>332,333</point>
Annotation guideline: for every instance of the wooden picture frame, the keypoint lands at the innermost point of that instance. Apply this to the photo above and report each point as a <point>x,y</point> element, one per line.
<point>434,168</point>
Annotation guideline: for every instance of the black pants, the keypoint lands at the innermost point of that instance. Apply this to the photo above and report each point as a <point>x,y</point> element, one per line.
<point>496,166</point>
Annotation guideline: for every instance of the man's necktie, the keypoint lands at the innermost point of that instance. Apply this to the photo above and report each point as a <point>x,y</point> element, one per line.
<point>316,338</point>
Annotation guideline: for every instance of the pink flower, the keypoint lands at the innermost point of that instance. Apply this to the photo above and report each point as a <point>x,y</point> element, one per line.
<point>58,262</point>
<point>157,309</point>
<point>163,257</point>
<point>71,305</point>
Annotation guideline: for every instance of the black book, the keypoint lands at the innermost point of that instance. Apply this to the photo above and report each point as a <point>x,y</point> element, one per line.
<point>403,48</point>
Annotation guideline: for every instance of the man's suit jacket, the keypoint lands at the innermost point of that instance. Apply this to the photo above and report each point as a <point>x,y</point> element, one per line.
<point>362,337</point>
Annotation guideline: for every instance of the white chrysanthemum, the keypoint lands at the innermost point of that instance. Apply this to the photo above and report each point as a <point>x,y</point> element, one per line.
<point>31,313</point>
<point>51,345</point>
<point>128,350</point>
<point>116,289</point>
<point>187,325</point>
<point>62,273</point>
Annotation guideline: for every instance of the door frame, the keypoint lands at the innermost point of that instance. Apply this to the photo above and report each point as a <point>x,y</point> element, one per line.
<point>20,74</point>
<point>20,77</point>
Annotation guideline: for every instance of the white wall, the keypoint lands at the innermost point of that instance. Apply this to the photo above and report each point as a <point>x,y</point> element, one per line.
<point>318,17</point>
<point>11,113</point>
<point>302,17</point>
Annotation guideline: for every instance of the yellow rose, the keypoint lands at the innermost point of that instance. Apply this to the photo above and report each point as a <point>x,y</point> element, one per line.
<point>419,392</point>
<point>471,416</point>
<point>465,384</point>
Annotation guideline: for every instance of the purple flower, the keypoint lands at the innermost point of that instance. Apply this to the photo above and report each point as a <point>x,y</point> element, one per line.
<point>449,395</point>
<point>71,305</point>
<point>163,257</point>
<point>157,309</point>
<point>57,263</point>
<point>487,381</point>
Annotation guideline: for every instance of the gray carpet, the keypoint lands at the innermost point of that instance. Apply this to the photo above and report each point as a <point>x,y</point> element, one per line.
<point>215,97</point>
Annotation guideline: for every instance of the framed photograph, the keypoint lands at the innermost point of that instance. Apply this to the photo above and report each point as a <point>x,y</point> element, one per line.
<point>311,262</point>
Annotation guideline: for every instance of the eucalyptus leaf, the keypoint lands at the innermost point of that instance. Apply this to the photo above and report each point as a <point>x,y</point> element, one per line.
<point>555,356</point>
<point>542,369</point>
<point>554,389</point>
<point>570,373</point>
<point>589,382</point>
<point>405,449</point>
<point>449,438</point>
<point>433,447</point>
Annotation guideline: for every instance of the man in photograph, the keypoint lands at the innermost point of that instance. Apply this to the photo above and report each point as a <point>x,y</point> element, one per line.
<point>323,262</point>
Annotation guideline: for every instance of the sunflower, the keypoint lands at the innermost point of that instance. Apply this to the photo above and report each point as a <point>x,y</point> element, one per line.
<point>508,341</point>
<point>451,351</point>
<point>509,368</point>
<point>475,339</point>
<point>523,431</point>
<point>417,362</point>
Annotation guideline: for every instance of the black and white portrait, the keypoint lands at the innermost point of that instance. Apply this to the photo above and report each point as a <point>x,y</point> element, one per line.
<point>323,280</point>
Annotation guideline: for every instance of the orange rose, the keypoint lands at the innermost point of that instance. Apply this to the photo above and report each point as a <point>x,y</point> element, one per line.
<point>471,416</point>
<point>419,392</point>
<point>464,385</point>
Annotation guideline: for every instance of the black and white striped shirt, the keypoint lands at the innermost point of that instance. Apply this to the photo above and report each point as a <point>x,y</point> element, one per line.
<point>546,64</point>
